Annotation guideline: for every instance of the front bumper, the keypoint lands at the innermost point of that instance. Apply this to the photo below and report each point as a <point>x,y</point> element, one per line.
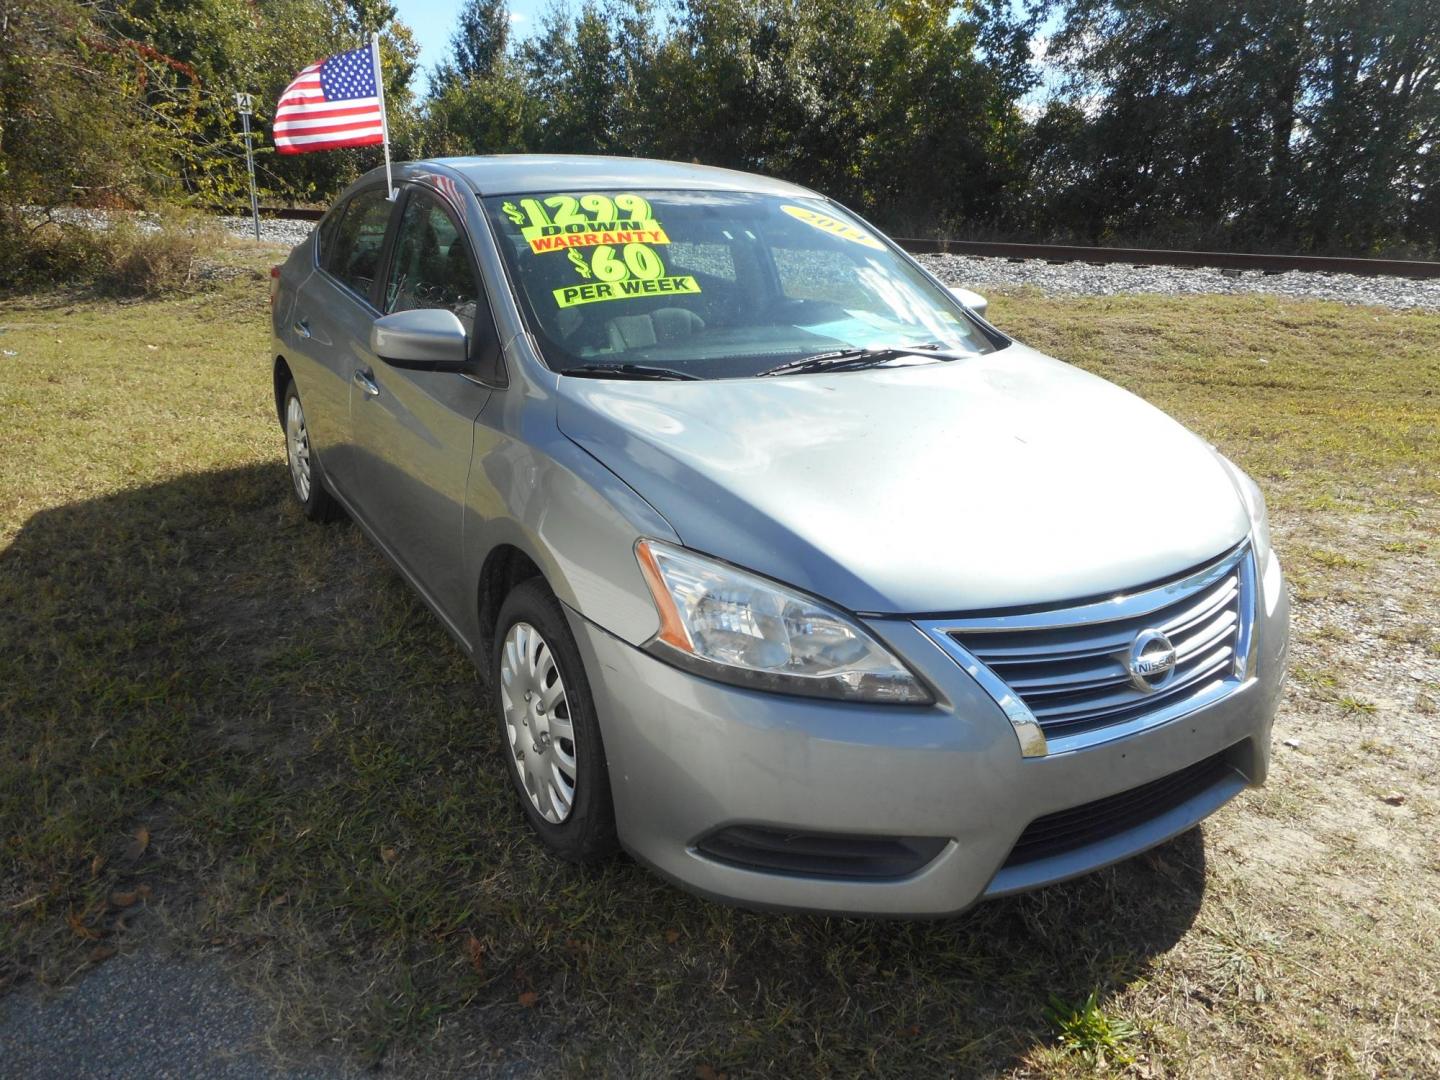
<point>688,756</point>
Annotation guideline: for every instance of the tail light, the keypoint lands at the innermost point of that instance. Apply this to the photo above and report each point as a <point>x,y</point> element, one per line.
<point>274,283</point>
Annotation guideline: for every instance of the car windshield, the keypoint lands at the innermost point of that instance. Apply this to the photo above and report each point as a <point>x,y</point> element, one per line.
<point>714,285</point>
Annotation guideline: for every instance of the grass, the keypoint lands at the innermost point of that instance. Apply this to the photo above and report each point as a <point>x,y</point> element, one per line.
<point>239,733</point>
<point>1084,1029</point>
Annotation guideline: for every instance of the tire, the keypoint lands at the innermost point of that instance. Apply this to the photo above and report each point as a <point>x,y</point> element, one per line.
<point>551,743</point>
<point>306,480</point>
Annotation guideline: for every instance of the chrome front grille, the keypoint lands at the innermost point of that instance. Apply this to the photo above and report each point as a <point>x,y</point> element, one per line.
<point>1066,670</point>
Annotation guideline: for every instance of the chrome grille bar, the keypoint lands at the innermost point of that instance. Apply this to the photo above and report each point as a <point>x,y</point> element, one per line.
<point>1062,674</point>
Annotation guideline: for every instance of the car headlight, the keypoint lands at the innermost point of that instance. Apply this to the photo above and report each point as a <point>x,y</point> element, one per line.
<point>725,624</point>
<point>1254,501</point>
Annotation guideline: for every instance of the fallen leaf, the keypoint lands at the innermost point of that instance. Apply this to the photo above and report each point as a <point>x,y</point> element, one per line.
<point>96,865</point>
<point>138,843</point>
<point>529,999</point>
<point>672,936</point>
<point>124,899</point>
<point>101,953</point>
<point>708,1072</point>
<point>78,927</point>
<point>389,854</point>
<point>1395,798</point>
<point>475,953</point>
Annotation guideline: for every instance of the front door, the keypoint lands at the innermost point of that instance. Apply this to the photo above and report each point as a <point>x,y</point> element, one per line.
<point>412,430</point>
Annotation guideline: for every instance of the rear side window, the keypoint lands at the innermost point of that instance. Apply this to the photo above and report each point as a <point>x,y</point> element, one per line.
<point>353,253</point>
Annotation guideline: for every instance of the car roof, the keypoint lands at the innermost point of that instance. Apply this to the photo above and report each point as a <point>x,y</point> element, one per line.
<point>515,174</point>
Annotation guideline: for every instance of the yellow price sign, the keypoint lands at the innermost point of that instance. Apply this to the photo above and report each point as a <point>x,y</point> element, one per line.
<point>563,222</point>
<point>834,226</point>
<point>624,289</point>
<point>607,239</point>
<point>630,274</point>
<point>543,238</point>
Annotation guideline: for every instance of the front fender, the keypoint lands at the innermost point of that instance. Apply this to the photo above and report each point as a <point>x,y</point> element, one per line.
<point>572,517</point>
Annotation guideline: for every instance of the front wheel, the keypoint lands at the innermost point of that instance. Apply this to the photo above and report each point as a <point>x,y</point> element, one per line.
<point>548,730</point>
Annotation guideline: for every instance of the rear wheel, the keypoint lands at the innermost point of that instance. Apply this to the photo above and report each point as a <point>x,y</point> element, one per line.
<point>548,730</point>
<point>305,481</point>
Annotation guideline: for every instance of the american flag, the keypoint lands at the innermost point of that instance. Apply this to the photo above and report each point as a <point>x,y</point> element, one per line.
<point>332,103</point>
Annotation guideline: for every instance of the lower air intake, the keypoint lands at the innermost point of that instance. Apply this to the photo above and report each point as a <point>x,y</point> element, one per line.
<point>1067,830</point>
<point>828,855</point>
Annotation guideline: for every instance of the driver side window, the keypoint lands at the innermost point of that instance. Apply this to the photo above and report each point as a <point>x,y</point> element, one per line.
<point>431,267</point>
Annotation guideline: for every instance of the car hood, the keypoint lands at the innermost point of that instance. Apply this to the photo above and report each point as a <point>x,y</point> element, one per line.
<point>995,481</point>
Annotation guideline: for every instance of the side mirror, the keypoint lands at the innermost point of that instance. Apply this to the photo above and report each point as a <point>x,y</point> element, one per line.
<point>423,337</point>
<point>972,300</point>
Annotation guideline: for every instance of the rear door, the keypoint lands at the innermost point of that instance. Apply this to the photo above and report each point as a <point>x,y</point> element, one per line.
<point>412,429</point>
<point>330,323</point>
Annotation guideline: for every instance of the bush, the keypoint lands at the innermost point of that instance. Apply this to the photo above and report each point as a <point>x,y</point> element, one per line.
<point>143,260</point>
<point>123,254</point>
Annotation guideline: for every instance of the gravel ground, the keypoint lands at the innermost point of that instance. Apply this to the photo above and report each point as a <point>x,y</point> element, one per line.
<point>1114,279</point>
<point>272,230</point>
<point>147,1015</point>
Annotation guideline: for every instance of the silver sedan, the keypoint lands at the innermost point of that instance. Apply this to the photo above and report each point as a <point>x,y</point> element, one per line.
<point>789,572</point>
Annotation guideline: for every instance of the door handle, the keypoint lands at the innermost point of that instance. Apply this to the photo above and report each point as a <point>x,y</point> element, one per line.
<point>302,327</point>
<point>366,383</point>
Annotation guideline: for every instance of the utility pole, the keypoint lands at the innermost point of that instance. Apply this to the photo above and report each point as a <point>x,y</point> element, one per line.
<point>244,102</point>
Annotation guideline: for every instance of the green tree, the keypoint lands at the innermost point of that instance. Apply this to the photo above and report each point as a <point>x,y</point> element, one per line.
<point>481,38</point>
<point>904,110</point>
<point>1368,161</point>
<point>478,101</point>
<point>85,115</point>
<point>1270,123</point>
<point>259,46</point>
<point>583,74</point>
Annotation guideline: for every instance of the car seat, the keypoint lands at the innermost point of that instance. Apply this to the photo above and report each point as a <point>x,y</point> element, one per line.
<point>664,326</point>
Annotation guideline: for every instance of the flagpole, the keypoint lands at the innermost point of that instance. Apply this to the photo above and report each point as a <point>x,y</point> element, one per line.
<point>384,120</point>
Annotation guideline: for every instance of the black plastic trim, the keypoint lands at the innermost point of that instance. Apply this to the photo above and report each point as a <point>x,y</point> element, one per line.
<point>1066,830</point>
<point>825,855</point>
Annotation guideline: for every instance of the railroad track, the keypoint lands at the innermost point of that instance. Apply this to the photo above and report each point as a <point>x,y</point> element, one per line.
<point>1066,253</point>
<point>287,213</point>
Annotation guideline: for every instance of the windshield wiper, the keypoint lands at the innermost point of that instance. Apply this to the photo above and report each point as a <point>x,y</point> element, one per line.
<point>627,371</point>
<point>856,359</point>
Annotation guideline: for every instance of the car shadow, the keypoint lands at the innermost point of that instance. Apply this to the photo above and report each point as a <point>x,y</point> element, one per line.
<point>304,745</point>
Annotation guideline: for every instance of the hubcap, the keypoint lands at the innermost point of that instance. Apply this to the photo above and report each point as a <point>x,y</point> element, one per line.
<point>537,722</point>
<point>297,448</point>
